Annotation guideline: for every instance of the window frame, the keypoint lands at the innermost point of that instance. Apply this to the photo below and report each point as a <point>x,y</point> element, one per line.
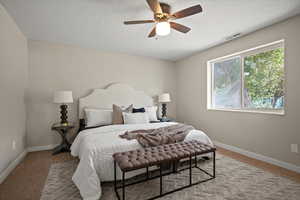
<point>242,54</point>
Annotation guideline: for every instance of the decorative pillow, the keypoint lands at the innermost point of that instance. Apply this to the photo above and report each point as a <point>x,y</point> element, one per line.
<point>117,117</point>
<point>98,117</point>
<point>152,113</point>
<point>135,118</point>
<point>138,110</point>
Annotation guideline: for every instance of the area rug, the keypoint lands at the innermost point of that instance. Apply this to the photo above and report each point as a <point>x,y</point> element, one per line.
<point>235,181</point>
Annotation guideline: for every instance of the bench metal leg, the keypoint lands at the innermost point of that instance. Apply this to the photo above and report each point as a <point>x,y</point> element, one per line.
<point>160,180</point>
<point>123,185</point>
<point>115,182</point>
<point>190,170</point>
<point>147,169</point>
<point>115,175</point>
<point>214,164</point>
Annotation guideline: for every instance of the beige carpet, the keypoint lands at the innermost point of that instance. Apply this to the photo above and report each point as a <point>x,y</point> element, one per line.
<point>235,181</point>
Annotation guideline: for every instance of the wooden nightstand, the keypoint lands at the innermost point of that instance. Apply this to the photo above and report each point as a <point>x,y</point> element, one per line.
<point>63,131</point>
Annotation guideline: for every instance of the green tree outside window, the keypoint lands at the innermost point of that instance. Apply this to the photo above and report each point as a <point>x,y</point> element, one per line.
<point>264,80</point>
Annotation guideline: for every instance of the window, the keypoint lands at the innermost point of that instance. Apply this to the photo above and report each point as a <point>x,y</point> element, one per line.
<point>252,80</point>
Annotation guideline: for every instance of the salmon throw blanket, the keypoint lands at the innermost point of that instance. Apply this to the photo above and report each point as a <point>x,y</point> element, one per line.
<point>159,136</point>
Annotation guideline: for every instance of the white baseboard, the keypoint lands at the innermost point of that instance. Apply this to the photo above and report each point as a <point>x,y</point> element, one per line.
<point>250,154</point>
<point>18,160</point>
<point>12,166</point>
<point>41,148</point>
<point>266,159</point>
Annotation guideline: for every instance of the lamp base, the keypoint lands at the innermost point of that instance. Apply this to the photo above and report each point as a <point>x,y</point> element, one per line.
<point>64,116</point>
<point>164,110</point>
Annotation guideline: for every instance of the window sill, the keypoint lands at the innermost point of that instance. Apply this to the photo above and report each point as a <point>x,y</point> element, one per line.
<point>269,112</point>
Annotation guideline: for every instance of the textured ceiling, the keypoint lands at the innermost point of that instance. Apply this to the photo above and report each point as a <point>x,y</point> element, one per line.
<point>98,23</point>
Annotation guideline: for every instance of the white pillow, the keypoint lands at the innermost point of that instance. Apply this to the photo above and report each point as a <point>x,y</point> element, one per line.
<point>98,117</point>
<point>152,113</point>
<point>135,118</point>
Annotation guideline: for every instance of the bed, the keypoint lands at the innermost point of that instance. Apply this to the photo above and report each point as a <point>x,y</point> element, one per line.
<point>95,146</point>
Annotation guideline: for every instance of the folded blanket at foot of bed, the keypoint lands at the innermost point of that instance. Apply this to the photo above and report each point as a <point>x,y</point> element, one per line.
<point>159,136</point>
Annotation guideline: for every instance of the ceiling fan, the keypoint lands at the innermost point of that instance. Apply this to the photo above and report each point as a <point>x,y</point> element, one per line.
<point>163,18</point>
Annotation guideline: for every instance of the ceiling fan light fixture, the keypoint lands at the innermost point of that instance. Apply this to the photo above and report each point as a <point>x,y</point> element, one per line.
<point>163,28</point>
<point>164,20</point>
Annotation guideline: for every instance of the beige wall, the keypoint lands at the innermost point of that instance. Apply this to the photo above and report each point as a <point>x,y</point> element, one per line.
<point>61,67</point>
<point>269,135</point>
<point>13,83</point>
<point>56,67</point>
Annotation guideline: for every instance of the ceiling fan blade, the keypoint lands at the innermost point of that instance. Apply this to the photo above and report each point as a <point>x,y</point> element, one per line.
<point>179,27</point>
<point>139,22</point>
<point>152,33</point>
<point>155,6</point>
<point>187,12</point>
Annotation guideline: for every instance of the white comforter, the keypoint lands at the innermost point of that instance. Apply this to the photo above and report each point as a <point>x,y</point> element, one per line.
<point>95,148</point>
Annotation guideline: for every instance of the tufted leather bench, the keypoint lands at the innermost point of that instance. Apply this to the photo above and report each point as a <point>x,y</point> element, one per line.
<point>141,158</point>
<point>151,156</point>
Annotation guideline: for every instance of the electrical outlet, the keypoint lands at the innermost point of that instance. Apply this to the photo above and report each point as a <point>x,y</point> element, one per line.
<point>294,148</point>
<point>14,145</point>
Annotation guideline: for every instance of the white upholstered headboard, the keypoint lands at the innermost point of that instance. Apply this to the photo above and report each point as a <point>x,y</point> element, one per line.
<point>119,94</point>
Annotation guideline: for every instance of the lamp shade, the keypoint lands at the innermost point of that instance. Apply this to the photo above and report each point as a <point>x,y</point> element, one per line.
<point>164,98</point>
<point>63,97</point>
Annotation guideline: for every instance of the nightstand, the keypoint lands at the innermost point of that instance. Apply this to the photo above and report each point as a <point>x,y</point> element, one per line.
<point>63,131</point>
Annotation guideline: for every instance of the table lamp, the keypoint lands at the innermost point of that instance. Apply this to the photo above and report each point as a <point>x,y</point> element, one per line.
<point>164,99</point>
<point>63,98</point>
